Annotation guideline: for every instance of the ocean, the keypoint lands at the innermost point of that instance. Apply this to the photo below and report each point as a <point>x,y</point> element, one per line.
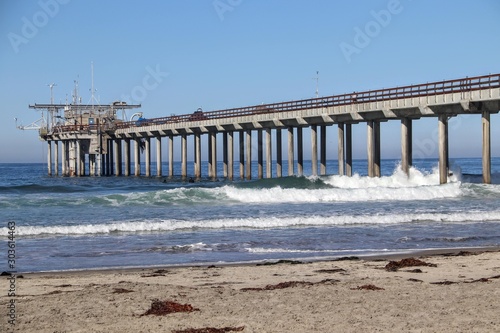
<point>64,223</point>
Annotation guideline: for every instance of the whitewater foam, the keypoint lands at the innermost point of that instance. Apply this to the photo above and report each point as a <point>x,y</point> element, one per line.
<point>254,223</point>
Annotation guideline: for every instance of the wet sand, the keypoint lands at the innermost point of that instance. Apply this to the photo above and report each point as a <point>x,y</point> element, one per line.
<point>454,292</point>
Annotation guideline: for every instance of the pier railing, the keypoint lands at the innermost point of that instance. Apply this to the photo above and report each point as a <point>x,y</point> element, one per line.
<point>463,85</point>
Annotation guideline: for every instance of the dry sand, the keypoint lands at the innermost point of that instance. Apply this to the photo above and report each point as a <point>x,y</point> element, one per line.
<point>326,298</point>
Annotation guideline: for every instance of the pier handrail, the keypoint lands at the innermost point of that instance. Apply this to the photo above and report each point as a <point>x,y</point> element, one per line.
<point>466,84</point>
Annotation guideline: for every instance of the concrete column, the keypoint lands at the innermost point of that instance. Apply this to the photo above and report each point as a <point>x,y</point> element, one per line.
<point>443,149</point>
<point>210,156</point>
<point>49,158</point>
<point>242,154</point>
<point>224,154</point>
<point>322,143</point>
<point>376,149</point>
<point>56,157</point>
<point>348,149</point>
<point>66,158</point>
<point>291,168</point>
<point>109,158</point>
<point>230,155</point>
<point>78,167</point>
<point>170,156</point>
<point>300,152</point>
<point>82,163</point>
<point>279,154</point>
<point>147,153</point>
<point>486,148</point>
<point>370,149</point>
<point>248,165</point>
<point>159,171</point>
<point>259,154</point>
<point>137,157</point>
<point>72,158</point>
<point>213,139</point>
<point>183,156</point>
<point>340,150</point>
<point>197,155</point>
<point>118,157</point>
<point>314,149</point>
<point>406,143</point>
<point>269,154</point>
<point>126,151</point>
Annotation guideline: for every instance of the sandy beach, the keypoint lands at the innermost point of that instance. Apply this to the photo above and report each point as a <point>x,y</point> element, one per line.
<point>450,291</point>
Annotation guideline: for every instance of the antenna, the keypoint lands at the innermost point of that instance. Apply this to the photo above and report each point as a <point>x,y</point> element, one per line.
<point>51,86</point>
<point>317,81</point>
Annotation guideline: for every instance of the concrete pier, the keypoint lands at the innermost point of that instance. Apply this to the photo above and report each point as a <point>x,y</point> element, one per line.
<point>107,142</point>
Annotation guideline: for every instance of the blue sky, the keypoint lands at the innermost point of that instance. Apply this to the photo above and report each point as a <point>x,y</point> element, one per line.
<point>219,54</point>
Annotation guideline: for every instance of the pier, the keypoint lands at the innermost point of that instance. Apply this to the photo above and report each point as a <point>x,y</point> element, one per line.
<point>93,141</point>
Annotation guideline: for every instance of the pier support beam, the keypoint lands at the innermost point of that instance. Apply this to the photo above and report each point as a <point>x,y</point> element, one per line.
<point>137,157</point>
<point>443,148</point>
<point>486,148</point>
<point>242,154</point>
<point>248,165</point>
<point>300,152</point>
<point>49,158</point>
<point>197,155</point>
<point>322,168</point>
<point>260,154</point>
<point>118,157</point>
<point>183,156</point>
<point>269,154</point>
<point>170,156</point>
<point>314,150</point>
<point>406,145</point>
<point>376,148</point>
<point>64,162</point>
<point>291,170</point>
<point>348,150</point>
<point>159,171</point>
<point>340,151</point>
<point>147,152</point>
<point>230,155</point>
<point>370,149</point>
<point>279,154</point>
<point>213,140</point>
<point>126,152</point>
<point>72,158</point>
<point>78,167</point>
<point>56,158</point>
<point>224,155</point>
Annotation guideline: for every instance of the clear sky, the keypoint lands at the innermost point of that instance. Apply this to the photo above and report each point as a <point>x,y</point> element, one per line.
<point>175,56</point>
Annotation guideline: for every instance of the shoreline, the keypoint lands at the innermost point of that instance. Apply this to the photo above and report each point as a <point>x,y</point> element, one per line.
<point>451,290</point>
<point>390,255</point>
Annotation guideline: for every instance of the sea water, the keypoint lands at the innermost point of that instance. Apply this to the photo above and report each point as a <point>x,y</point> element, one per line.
<point>67,223</point>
